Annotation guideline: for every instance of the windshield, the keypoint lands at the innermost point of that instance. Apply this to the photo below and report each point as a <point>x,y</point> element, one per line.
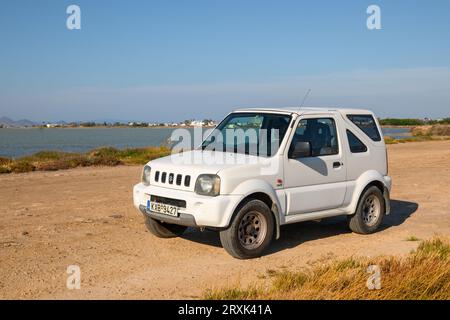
<point>257,134</point>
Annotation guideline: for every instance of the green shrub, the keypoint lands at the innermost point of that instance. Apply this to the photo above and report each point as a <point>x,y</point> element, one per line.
<point>46,155</point>
<point>142,155</point>
<point>104,161</point>
<point>401,122</point>
<point>22,166</point>
<point>104,152</point>
<point>105,156</point>
<point>55,165</point>
<point>390,140</point>
<point>4,161</point>
<point>5,169</point>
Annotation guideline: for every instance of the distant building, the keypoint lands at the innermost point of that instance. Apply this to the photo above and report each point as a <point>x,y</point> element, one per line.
<point>209,123</point>
<point>196,123</point>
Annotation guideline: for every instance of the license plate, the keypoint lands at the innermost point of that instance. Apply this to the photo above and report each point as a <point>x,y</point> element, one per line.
<point>162,208</point>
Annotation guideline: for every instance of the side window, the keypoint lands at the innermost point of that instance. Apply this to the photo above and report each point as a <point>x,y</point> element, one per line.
<point>356,146</point>
<point>367,124</point>
<point>320,133</point>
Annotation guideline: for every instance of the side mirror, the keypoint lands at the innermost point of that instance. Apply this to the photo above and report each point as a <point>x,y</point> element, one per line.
<point>302,149</point>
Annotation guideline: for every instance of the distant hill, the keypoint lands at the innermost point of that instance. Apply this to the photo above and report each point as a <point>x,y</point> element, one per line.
<point>10,123</point>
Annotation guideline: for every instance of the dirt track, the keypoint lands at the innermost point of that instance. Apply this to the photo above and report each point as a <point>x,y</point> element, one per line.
<point>85,217</point>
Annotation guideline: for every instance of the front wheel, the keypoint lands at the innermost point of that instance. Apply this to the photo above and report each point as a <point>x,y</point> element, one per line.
<point>250,232</point>
<point>369,213</point>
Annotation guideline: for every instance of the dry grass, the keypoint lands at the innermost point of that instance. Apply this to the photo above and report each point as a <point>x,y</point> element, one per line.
<point>56,160</point>
<point>423,274</point>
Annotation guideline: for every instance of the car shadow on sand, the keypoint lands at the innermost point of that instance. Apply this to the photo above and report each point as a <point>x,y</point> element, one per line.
<point>295,234</point>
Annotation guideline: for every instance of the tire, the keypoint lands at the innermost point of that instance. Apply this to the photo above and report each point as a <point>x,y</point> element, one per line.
<point>369,213</point>
<point>250,232</point>
<point>163,230</point>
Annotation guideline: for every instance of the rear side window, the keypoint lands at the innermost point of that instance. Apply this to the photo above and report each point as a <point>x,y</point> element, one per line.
<point>356,146</point>
<point>367,124</point>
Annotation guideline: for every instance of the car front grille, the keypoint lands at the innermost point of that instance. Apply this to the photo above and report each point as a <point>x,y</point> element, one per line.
<point>169,201</point>
<point>172,178</point>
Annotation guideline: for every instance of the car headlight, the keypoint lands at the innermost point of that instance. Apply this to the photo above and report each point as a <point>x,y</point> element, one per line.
<point>146,175</point>
<point>208,185</point>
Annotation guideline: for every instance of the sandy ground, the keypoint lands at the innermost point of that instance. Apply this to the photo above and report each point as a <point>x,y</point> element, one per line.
<point>85,217</point>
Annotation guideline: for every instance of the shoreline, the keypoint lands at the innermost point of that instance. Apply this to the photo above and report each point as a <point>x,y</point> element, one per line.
<point>171,127</point>
<point>178,127</point>
<point>51,160</point>
<point>181,126</point>
<point>58,160</point>
<point>111,127</point>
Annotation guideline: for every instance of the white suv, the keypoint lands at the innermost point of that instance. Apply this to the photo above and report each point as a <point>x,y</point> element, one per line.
<point>292,165</point>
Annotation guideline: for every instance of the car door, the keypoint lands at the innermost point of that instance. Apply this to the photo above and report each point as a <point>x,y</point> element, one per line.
<point>316,181</point>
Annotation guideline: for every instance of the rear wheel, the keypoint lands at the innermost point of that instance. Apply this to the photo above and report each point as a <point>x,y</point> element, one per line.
<point>369,213</point>
<point>163,230</point>
<point>250,232</point>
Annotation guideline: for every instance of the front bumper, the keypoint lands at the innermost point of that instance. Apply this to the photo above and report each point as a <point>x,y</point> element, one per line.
<point>184,219</point>
<point>388,182</point>
<point>200,211</point>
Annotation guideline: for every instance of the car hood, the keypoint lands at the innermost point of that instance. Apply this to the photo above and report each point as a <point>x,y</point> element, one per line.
<point>198,161</point>
<point>189,165</point>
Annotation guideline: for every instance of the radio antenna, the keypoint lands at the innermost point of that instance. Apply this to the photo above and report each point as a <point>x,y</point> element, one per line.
<point>304,98</point>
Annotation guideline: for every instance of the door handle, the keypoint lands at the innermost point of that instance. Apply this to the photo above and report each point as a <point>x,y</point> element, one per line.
<point>337,164</point>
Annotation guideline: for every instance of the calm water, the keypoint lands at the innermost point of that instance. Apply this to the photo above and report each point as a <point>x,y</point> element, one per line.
<point>397,133</point>
<point>20,142</point>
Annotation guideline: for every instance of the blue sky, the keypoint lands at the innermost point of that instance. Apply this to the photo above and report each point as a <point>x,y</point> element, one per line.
<point>172,60</point>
